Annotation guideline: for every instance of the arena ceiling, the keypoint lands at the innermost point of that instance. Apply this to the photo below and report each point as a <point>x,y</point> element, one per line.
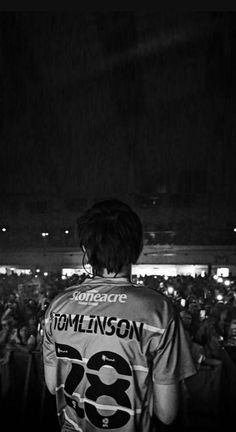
<point>135,105</point>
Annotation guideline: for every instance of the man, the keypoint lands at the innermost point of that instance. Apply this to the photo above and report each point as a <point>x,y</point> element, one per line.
<point>114,353</point>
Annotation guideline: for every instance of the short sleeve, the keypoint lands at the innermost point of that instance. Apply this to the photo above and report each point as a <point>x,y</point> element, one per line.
<point>172,360</point>
<point>49,354</point>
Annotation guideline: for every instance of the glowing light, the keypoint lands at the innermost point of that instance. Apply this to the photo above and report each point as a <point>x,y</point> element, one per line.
<point>37,270</point>
<point>63,277</point>
<point>3,270</point>
<point>44,234</point>
<point>215,277</point>
<point>219,297</point>
<point>219,279</point>
<point>227,282</point>
<point>68,272</point>
<point>223,271</point>
<point>166,277</point>
<point>170,290</point>
<point>234,229</point>
<point>67,231</point>
<point>45,274</point>
<point>4,229</point>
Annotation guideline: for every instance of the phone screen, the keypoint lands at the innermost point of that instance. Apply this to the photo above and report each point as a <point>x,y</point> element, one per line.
<point>202,313</point>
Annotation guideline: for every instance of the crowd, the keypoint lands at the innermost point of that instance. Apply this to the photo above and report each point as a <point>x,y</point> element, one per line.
<point>207,307</point>
<point>23,301</point>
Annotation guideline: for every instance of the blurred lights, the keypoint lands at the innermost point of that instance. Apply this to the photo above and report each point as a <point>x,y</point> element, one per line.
<point>44,234</point>
<point>223,272</point>
<point>37,270</point>
<point>219,297</point>
<point>139,282</point>
<point>67,231</point>
<point>45,274</point>
<point>219,279</point>
<point>170,290</point>
<point>4,229</point>
<point>227,282</point>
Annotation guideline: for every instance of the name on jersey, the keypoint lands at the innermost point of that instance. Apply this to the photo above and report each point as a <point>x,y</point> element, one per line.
<point>108,326</point>
<point>94,297</point>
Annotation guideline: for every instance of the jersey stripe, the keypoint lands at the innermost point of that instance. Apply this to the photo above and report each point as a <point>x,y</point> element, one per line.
<point>106,407</point>
<point>75,425</point>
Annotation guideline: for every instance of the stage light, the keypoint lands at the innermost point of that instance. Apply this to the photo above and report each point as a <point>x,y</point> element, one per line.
<point>45,274</point>
<point>67,231</point>
<point>44,234</point>
<point>4,229</point>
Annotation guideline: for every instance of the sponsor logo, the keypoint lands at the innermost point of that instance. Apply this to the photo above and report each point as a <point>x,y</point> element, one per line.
<point>93,297</point>
<point>60,351</point>
<point>105,358</point>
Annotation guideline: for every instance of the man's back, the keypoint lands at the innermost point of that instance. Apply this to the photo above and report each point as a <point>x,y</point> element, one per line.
<point>112,341</point>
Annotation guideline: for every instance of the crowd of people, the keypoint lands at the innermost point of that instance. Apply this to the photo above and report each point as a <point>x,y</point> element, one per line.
<point>206,304</point>
<point>23,302</point>
<point>207,307</point>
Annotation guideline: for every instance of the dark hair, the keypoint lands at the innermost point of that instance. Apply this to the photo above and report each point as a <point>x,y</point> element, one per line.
<point>111,233</point>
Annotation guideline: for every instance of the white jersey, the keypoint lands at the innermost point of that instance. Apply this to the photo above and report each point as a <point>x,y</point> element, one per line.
<point>109,341</point>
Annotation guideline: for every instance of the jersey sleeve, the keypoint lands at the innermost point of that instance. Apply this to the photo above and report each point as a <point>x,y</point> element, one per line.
<point>172,360</point>
<point>49,353</point>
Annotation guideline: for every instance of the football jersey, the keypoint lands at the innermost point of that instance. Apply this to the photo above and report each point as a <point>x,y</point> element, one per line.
<point>109,340</point>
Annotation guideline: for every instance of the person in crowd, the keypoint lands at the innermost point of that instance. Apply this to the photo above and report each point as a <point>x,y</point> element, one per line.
<point>197,350</point>
<point>213,330</point>
<point>114,353</point>
<point>231,334</point>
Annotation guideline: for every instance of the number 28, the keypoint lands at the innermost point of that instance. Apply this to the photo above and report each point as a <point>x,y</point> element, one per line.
<point>97,388</point>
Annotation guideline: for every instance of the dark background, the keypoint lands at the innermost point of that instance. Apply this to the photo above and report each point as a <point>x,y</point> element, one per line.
<point>134,105</point>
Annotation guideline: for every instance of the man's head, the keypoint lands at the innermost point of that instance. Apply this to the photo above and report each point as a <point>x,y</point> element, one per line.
<point>111,234</point>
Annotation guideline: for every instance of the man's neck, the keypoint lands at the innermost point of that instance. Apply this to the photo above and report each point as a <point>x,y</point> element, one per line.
<point>125,272</point>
